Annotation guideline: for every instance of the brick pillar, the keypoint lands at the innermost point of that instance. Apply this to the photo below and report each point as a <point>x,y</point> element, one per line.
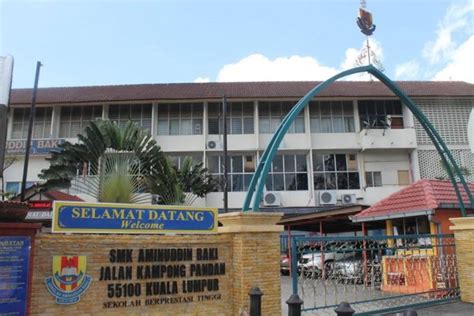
<point>256,258</point>
<point>464,235</point>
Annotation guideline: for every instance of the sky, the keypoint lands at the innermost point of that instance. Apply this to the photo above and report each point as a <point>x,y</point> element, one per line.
<point>103,42</point>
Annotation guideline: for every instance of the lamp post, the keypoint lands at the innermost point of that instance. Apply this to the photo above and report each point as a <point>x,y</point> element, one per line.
<point>30,131</point>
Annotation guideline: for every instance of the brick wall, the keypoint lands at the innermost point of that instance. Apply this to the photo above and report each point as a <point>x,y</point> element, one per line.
<point>97,247</point>
<point>464,236</point>
<point>248,243</point>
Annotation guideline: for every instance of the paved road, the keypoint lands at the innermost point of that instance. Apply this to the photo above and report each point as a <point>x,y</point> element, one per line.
<point>333,293</point>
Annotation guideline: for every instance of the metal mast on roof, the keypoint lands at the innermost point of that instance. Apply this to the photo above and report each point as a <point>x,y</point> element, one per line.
<point>365,23</point>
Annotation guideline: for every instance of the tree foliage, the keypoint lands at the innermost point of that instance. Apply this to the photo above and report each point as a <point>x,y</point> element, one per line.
<point>464,171</point>
<point>119,163</point>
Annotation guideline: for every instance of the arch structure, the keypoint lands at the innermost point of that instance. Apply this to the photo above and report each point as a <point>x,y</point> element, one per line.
<point>255,191</point>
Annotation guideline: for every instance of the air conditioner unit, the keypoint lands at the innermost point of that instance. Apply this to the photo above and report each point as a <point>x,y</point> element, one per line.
<point>328,197</point>
<point>214,144</point>
<point>271,199</point>
<point>348,199</point>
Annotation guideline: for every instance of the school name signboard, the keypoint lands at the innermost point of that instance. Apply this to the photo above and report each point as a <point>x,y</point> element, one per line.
<point>38,146</point>
<point>113,218</point>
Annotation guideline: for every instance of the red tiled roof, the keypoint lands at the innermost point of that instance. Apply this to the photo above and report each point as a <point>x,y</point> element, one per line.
<point>423,195</point>
<point>215,90</point>
<point>61,196</point>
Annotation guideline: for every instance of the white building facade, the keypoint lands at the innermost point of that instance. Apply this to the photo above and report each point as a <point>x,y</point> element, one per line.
<point>356,141</point>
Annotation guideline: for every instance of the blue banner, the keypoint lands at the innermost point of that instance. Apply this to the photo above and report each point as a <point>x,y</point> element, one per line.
<point>113,218</point>
<point>38,146</point>
<point>14,263</point>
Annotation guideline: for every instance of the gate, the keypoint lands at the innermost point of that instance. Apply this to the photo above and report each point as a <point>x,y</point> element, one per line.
<point>375,274</point>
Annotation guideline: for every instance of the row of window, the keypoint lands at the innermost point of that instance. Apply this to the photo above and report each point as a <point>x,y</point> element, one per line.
<point>289,172</point>
<point>187,118</point>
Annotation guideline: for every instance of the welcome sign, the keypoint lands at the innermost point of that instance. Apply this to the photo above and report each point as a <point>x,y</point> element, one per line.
<point>113,218</point>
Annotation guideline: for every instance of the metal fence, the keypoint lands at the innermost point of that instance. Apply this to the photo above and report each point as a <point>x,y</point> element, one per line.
<point>284,242</point>
<point>377,274</point>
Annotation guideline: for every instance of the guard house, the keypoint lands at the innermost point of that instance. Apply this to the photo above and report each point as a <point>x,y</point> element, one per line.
<point>413,264</point>
<point>423,207</point>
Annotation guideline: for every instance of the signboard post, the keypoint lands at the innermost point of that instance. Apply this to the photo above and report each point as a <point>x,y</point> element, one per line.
<point>14,266</point>
<point>6,71</point>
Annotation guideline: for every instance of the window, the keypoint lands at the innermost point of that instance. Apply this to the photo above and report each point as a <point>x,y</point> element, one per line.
<point>331,116</point>
<point>373,178</point>
<point>288,173</point>
<point>178,158</point>
<point>412,225</point>
<point>75,118</point>
<point>335,171</point>
<point>240,171</point>
<point>380,114</point>
<point>272,113</point>
<point>137,113</point>
<point>180,119</point>
<point>403,177</point>
<point>15,187</point>
<point>41,127</point>
<point>240,118</point>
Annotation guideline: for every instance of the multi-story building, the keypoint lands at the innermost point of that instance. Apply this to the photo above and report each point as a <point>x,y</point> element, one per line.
<point>356,140</point>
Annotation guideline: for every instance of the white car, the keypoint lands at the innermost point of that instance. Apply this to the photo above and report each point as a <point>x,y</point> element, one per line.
<point>313,265</point>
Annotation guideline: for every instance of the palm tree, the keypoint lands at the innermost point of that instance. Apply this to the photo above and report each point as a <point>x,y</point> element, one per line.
<point>182,186</point>
<point>114,164</point>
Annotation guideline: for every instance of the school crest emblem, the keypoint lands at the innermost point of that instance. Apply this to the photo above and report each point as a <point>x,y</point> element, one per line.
<point>69,280</point>
<point>365,23</point>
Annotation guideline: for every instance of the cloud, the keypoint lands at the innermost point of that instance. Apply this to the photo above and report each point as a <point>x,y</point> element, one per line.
<point>461,63</point>
<point>449,55</point>
<point>358,57</point>
<point>408,70</point>
<point>202,79</point>
<point>457,17</point>
<point>258,67</point>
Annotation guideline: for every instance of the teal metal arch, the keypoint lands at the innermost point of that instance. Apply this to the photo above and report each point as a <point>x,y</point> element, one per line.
<point>254,193</point>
